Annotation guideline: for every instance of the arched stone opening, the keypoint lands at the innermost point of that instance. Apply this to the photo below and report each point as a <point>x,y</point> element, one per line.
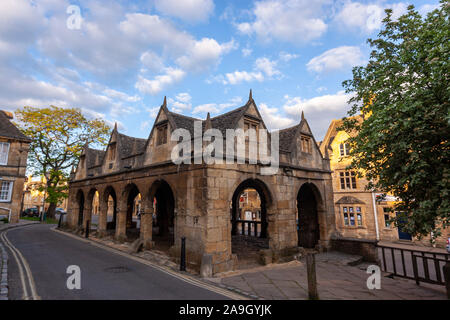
<point>133,211</point>
<point>80,204</point>
<point>110,202</point>
<point>163,219</point>
<point>91,208</point>
<point>308,202</point>
<point>249,223</point>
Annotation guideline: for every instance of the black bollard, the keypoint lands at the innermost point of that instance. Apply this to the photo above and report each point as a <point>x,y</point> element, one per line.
<point>183,254</point>
<point>60,220</point>
<point>87,228</point>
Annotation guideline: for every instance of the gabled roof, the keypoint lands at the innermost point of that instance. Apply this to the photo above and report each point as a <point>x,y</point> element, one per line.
<point>288,136</point>
<point>182,121</point>
<point>130,146</point>
<point>9,130</point>
<point>228,120</point>
<point>349,200</point>
<point>94,157</point>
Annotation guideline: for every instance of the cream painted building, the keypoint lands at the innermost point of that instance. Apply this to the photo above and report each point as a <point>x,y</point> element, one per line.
<point>14,147</point>
<point>360,213</point>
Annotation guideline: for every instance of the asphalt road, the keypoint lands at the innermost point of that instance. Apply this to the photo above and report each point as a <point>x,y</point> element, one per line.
<point>104,274</point>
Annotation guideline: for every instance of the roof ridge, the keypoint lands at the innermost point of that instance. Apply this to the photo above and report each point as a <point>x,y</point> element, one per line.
<point>124,135</point>
<point>231,111</point>
<point>289,128</point>
<point>182,115</point>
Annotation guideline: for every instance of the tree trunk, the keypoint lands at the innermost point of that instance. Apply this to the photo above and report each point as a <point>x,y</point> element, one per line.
<point>51,211</point>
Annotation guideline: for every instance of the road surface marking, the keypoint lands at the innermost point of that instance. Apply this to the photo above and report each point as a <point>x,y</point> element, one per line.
<point>27,275</point>
<point>182,277</point>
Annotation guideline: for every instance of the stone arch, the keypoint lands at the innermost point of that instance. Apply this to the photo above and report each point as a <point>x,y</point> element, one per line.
<point>131,191</point>
<point>251,228</point>
<point>88,205</point>
<point>309,207</point>
<point>104,197</point>
<point>264,186</point>
<point>162,198</point>
<point>80,207</point>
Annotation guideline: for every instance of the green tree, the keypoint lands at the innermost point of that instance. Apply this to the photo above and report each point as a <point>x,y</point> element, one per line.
<point>58,137</point>
<point>402,143</point>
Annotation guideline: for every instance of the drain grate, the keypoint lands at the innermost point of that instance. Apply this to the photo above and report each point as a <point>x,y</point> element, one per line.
<point>117,269</point>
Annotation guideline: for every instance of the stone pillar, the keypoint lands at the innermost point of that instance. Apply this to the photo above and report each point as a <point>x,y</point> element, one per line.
<point>102,217</point>
<point>147,224</point>
<point>71,209</point>
<point>87,214</point>
<point>121,222</point>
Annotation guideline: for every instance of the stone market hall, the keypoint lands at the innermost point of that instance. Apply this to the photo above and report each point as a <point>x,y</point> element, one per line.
<point>223,210</point>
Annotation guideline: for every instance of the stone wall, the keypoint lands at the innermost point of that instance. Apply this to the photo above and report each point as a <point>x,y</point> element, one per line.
<point>14,171</point>
<point>365,248</point>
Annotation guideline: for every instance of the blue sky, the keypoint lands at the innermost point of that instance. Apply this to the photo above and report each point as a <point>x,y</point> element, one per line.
<point>122,57</point>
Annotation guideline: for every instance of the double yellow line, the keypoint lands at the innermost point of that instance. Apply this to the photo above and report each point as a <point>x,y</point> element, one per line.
<point>26,277</point>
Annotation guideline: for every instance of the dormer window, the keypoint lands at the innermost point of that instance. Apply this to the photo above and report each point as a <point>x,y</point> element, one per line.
<point>112,152</point>
<point>248,124</point>
<point>306,144</point>
<point>4,151</point>
<point>81,165</point>
<point>344,149</point>
<point>161,134</point>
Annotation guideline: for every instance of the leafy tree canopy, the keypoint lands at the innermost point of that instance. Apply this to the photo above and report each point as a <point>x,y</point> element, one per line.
<point>402,144</point>
<point>58,137</point>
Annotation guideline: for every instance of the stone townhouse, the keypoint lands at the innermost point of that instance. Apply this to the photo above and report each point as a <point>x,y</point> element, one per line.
<point>360,213</point>
<point>14,147</point>
<point>200,201</point>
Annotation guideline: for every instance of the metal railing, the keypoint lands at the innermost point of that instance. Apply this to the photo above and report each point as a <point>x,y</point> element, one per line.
<point>247,227</point>
<point>418,265</point>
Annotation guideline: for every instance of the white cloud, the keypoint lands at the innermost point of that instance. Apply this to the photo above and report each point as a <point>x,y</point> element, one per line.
<point>263,68</point>
<point>121,95</point>
<point>181,103</point>
<point>426,8</point>
<point>330,102</point>
<point>295,21</point>
<point>188,10</point>
<point>203,54</point>
<point>153,112</point>
<point>207,107</point>
<point>367,17</point>
<point>184,97</point>
<point>335,59</point>
<point>273,119</point>
<point>237,77</point>
<point>214,108</point>
<point>246,52</point>
<point>286,57</point>
<point>160,82</point>
<point>267,66</point>
<point>152,61</point>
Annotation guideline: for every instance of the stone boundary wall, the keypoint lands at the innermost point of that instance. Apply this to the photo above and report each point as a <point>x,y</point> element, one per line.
<point>362,247</point>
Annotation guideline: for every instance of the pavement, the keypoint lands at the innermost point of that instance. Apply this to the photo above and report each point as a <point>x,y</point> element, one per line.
<point>412,246</point>
<point>336,280</point>
<point>104,274</point>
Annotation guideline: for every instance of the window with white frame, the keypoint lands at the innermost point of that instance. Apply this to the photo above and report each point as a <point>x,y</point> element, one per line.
<point>4,150</point>
<point>344,149</point>
<point>5,191</point>
<point>350,213</point>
